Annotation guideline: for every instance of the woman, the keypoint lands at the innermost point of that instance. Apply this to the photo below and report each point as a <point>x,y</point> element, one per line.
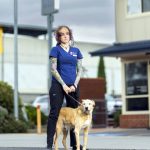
<point>66,67</point>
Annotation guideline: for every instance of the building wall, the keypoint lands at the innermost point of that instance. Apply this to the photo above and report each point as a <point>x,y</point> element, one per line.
<point>132,27</point>
<point>33,65</point>
<point>129,27</point>
<point>32,61</point>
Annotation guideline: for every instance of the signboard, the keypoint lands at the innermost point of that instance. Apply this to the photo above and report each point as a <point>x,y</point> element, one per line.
<point>136,78</point>
<point>1,40</point>
<point>49,6</point>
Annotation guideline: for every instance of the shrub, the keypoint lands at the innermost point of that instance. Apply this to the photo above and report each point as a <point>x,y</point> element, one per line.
<point>7,99</point>
<point>8,124</point>
<point>117,118</point>
<point>6,96</point>
<point>3,113</point>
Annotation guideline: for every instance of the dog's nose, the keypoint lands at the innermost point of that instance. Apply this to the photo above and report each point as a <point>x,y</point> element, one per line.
<point>86,108</point>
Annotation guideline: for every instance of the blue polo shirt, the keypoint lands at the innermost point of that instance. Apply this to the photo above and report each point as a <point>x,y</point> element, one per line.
<point>66,63</point>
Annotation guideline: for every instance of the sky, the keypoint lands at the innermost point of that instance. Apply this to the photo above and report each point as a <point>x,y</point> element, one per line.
<point>90,20</point>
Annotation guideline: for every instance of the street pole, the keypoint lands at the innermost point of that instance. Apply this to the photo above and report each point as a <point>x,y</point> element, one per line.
<point>49,7</point>
<point>16,59</point>
<point>49,24</point>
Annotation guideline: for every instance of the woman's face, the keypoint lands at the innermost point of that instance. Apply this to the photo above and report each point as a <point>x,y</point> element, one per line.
<point>64,35</point>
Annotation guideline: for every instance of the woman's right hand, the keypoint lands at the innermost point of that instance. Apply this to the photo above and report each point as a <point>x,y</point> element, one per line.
<point>66,89</point>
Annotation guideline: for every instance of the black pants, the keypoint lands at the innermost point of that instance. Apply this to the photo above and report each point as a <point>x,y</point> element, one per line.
<point>56,100</point>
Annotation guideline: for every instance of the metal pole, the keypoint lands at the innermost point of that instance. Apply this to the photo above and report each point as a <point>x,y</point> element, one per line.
<point>49,28</point>
<point>16,59</point>
<point>49,24</point>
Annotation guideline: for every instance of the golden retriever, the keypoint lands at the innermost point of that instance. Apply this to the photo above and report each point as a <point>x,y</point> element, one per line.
<point>77,118</point>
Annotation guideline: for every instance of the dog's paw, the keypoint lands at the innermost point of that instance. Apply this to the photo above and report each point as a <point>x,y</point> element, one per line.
<point>84,148</point>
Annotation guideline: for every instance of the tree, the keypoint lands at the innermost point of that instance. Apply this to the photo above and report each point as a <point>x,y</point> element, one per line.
<point>101,69</point>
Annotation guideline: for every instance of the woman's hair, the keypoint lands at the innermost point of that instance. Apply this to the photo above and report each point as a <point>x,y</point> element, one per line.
<point>57,34</point>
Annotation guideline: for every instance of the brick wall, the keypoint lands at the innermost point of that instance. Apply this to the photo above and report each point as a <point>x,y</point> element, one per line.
<point>134,121</point>
<point>94,88</point>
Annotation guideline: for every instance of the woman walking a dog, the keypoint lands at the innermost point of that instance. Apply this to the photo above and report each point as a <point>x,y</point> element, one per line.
<point>66,68</point>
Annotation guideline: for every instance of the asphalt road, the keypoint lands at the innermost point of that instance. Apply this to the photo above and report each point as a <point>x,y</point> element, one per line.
<point>128,139</point>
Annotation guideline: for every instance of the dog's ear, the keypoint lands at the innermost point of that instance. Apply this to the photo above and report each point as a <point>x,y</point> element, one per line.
<point>83,100</point>
<point>93,103</point>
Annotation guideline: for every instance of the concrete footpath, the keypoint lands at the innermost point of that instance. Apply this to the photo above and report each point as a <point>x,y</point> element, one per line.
<point>100,139</point>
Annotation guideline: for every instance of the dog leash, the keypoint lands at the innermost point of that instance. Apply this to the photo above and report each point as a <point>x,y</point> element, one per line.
<point>74,99</point>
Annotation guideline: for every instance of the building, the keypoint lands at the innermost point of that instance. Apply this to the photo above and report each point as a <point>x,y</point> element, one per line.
<point>133,48</point>
<point>33,60</point>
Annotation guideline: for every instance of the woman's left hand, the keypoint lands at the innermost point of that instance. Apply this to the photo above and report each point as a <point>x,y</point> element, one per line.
<point>72,88</point>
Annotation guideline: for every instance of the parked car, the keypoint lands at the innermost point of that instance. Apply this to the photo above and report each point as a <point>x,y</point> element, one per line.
<point>43,102</point>
<point>113,103</point>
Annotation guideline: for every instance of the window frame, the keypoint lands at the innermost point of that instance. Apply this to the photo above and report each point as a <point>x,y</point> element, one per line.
<point>125,96</point>
<point>140,12</point>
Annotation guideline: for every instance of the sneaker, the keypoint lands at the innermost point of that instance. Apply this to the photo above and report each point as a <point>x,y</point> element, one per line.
<point>74,147</point>
<point>49,148</point>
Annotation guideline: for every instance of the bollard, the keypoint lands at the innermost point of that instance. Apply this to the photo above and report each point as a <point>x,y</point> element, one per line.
<point>38,120</point>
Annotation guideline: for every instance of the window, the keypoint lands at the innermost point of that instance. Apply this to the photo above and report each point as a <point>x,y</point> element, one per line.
<point>136,78</point>
<point>137,104</point>
<point>138,6</point>
<point>134,6</point>
<point>145,5</point>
